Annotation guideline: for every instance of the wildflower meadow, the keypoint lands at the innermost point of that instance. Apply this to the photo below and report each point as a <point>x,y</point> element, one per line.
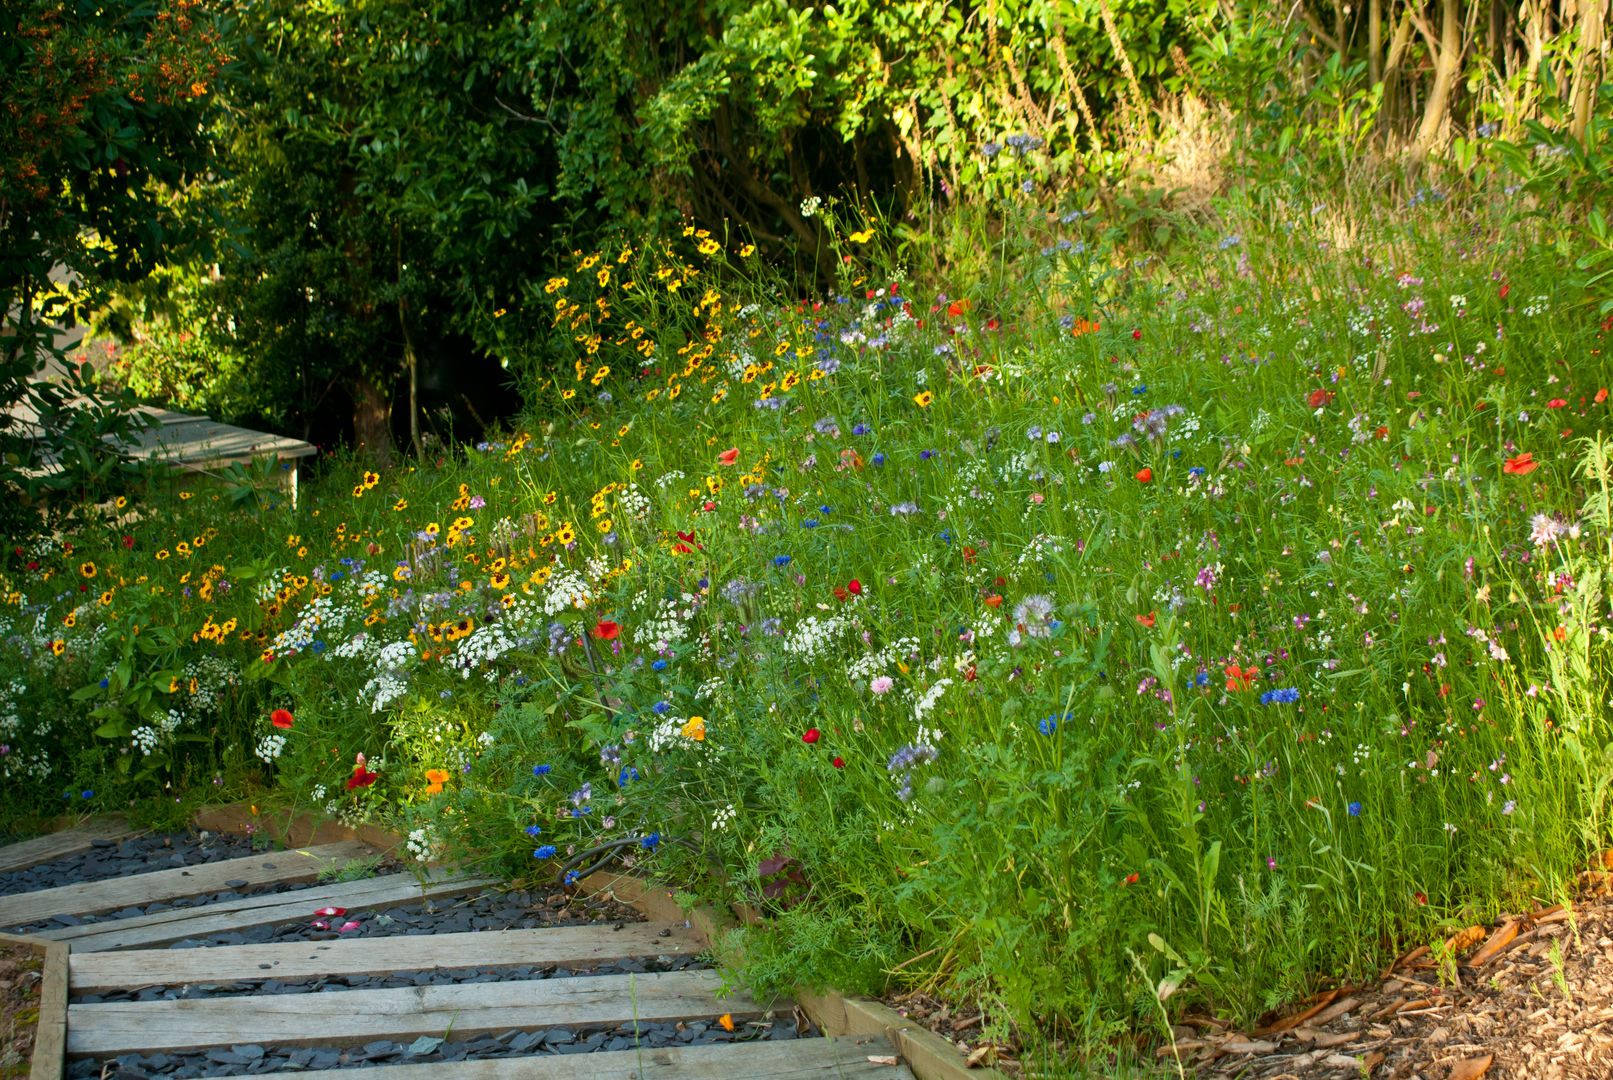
<point>1097,638</point>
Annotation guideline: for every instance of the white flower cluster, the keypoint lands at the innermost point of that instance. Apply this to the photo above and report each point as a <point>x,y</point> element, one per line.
<point>633,502</point>
<point>667,479</point>
<point>171,722</point>
<point>485,646</point>
<point>213,675</point>
<point>10,718</point>
<point>391,680</point>
<point>723,818</point>
<point>270,745</point>
<point>360,645</point>
<point>1041,545</point>
<point>669,623</point>
<point>812,635</point>
<point>320,613</point>
<point>145,737</point>
<point>566,589</point>
<point>667,734</point>
<point>926,704</point>
<point>867,666</point>
<point>1536,305</point>
<point>422,844</point>
<point>714,690</point>
<point>268,589</point>
<point>20,763</point>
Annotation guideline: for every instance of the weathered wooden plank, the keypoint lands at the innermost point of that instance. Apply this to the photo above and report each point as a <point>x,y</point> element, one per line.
<point>166,927</point>
<point>359,1015</point>
<point>565,946</point>
<point>94,897</point>
<point>59,845</point>
<point>800,1059</point>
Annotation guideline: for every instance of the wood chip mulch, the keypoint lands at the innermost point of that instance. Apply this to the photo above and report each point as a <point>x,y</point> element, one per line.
<point>1528,998</point>
<point>20,979</point>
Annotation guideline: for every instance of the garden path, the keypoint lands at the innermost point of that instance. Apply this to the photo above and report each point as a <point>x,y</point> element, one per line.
<point>197,956</point>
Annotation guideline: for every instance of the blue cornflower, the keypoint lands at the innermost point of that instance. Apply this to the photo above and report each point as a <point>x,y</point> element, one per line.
<point>810,523</point>
<point>105,683</point>
<point>1355,809</point>
<point>826,509</point>
<point>1284,696</point>
<point>705,583</point>
<point>1047,725</point>
<point>861,429</point>
<point>627,776</point>
<point>583,810</point>
<point>541,770</point>
<point>547,851</point>
<point>649,842</point>
<point>781,560</point>
<point>571,876</point>
<point>659,665</point>
<point>926,455</point>
<point>661,708</point>
<point>947,537</point>
<point>1202,679</point>
<point>318,646</point>
<point>533,830</point>
<point>86,794</point>
<point>1196,471</point>
<point>878,459</point>
<point>1139,390</point>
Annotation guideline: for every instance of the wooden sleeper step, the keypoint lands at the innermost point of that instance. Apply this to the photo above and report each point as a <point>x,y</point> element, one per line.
<point>355,1016</point>
<point>135,890</point>
<point>59,845</point>
<point>843,1058</point>
<point>177,924</point>
<point>563,946</point>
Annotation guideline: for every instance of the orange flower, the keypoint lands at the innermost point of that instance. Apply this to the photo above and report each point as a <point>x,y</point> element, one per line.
<point>1239,680</point>
<point>1145,475</point>
<point>435,779</point>
<point>994,601</point>
<point>1147,620</point>
<point>1521,465</point>
<point>728,457</point>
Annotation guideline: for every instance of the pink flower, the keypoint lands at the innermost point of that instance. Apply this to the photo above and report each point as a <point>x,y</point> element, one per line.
<point>882,684</point>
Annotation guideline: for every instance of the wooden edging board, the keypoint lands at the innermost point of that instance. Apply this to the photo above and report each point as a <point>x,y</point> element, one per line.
<point>929,1055</point>
<point>50,1031</point>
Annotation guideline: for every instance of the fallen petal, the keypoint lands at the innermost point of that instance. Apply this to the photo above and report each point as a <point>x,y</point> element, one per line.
<point>346,926</point>
<point>319,924</point>
<point>332,912</point>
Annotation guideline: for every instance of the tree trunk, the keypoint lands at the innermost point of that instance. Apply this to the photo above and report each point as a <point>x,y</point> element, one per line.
<point>1446,67</point>
<point>372,419</point>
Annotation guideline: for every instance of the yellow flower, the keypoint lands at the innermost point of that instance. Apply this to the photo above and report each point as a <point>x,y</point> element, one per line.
<point>604,525</point>
<point>87,569</point>
<point>302,552</point>
<point>433,529</point>
<point>401,504</point>
<point>122,502</point>
<point>462,523</point>
<point>709,246</point>
<point>747,251</point>
<point>58,646</point>
<point>567,395</point>
<point>923,398</point>
<point>186,494</point>
<point>695,729</point>
<point>499,580</point>
<point>371,479</point>
<point>358,491</point>
<point>861,237</point>
<point>565,534</point>
<point>163,554</point>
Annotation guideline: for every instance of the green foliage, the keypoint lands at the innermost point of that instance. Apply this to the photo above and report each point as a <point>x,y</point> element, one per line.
<point>103,105</point>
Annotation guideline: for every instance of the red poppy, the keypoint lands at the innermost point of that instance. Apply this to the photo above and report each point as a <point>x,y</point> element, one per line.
<point>969,554</point>
<point>1136,335</point>
<point>839,763</point>
<point>812,735</point>
<point>1601,396</point>
<point>728,457</point>
<point>280,718</point>
<point>854,587</point>
<point>1129,879</point>
<point>841,594</point>
<point>1521,465</point>
<point>361,777</point>
<point>1239,680</point>
<point>994,601</point>
<point>1317,398</point>
<point>958,307</point>
<point>1145,475</point>
<point>1146,620</point>
<point>1421,898</point>
<point>605,630</point>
